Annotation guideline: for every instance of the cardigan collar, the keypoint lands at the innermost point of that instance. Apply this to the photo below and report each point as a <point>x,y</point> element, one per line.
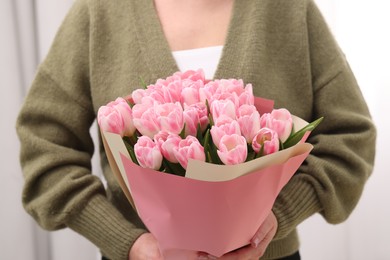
<point>158,55</point>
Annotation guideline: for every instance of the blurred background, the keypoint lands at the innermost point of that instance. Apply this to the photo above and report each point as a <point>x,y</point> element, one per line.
<point>362,29</point>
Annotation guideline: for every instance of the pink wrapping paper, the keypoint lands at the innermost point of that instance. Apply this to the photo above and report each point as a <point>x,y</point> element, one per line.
<point>215,217</point>
<point>205,212</point>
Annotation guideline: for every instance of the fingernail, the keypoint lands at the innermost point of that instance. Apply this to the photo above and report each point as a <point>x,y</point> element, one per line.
<point>255,243</point>
<point>204,257</point>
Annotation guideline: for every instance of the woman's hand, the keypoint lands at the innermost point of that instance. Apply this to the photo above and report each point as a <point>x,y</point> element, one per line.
<point>145,248</point>
<point>259,243</point>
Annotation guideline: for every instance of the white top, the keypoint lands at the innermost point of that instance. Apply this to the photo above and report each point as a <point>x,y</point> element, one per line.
<point>203,58</point>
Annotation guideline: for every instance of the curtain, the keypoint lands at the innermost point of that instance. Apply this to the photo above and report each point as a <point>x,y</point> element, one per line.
<point>361,28</point>
<point>17,64</point>
<point>362,31</point>
<point>27,29</point>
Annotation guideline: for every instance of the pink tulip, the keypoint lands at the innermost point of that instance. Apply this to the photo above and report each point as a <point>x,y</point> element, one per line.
<point>138,94</point>
<point>116,117</point>
<point>154,94</point>
<point>110,120</point>
<point>232,149</point>
<point>124,109</point>
<point>214,90</point>
<point>147,153</point>
<point>160,138</point>
<point>223,107</point>
<point>170,89</point>
<point>249,121</point>
<point>190,92</point>
<point>229,96</point>
<point>171,93</point>
<point>247,96</point>
<point>163,91</point>
<point>224,126</point>
<point>246,110</point>
<point>189,148</point>
<point>168,80</point>
<point>266,140</point>
<point>170,117</point>
<point>230,86</point>
<point>169,146</point>
<point>145,119</point>
<point>207,92</point>
<point>195,115</point>
<point>193,75</point>
<point>231,89</point>
<point>129,99</point>
<point>280,121</point>
<point>202,114</point>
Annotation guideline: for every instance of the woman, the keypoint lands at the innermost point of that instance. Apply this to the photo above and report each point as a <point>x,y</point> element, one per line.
<point>284,48</point>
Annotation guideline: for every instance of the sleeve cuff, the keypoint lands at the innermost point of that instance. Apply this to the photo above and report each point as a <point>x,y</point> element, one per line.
<point>104,225</point>
<point>296,202</point>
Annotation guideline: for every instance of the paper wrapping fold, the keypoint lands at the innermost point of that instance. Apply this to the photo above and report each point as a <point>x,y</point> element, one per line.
<point>199,215</point>
<point>215,217</point>
<point>215,208</point>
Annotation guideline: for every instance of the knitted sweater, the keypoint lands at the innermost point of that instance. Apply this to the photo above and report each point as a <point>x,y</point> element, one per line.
<point>103,48</point>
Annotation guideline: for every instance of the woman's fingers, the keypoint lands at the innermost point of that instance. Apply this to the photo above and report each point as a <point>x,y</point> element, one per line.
<point>266,231</point>
<point>259,243</point>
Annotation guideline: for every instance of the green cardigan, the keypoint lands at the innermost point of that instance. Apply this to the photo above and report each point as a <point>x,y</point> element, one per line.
<point>103,48</point>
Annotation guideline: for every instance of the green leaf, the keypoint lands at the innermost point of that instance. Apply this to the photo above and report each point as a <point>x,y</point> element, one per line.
<point>296,137</point>
<point>142,82</point>
<point>130,104</point>
<point>251,156</point>
<point>210,149</point>
<point>260,153</point>
<point>183,132</point>
<point>131,140</point>
<point>206,146</point>
<point>251,153</point>
<point>208,106</point>
<point>281,146</point>
<point>168,168</point>
<point>174,168</point>
<point>214,155</point>
<point>208,157</point>
<point>130,149</point>
<point>199,134</point>
<point>211,121</point>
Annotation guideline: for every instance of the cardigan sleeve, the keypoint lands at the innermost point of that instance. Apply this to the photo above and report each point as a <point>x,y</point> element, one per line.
<point>332,178</point>
<point>56,146</point>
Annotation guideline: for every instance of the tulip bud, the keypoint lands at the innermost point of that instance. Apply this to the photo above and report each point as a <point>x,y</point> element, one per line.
<point>116,117</point>
<point>189,148</point>
<point>280,121</point>
<point>147,153</point>
<point>266,141</point>
<point>232,149</point>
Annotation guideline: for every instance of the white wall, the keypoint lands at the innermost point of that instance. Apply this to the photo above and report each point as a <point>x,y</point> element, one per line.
<point>22,47</point>
<point>362,29</point>
<point>64,244</point>
<point>15,226</point>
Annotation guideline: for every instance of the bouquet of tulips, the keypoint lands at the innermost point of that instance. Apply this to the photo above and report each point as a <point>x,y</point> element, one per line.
<point>184,145</point>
